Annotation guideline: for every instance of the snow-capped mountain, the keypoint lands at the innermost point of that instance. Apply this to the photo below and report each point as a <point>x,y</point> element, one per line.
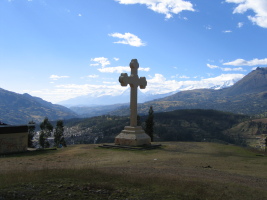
<point>210,83</point>
<point>89,100</point>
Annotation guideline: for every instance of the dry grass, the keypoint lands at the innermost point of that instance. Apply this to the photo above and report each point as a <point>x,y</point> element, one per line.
<point>177,171</point>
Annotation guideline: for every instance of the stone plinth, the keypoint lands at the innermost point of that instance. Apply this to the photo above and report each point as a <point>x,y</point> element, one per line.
<point>132,136</point>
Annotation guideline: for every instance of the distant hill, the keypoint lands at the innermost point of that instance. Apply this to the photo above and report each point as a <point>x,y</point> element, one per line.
<point>253,131</point>
<point>178,125</point>
<point>247,96</point>
<point>21,108</point>
<point>91,111</point>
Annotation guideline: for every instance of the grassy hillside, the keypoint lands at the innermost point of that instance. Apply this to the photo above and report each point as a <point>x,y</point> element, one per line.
<point>176,171</point>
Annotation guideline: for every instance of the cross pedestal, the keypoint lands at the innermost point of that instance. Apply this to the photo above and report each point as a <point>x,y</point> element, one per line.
<point>133,135</point>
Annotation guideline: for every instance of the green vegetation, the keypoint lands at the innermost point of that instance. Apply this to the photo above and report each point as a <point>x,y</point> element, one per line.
<point>46,131</point>
<point>252,132</point>
<point>105,128</point>
<point>179,125</point>
<point>149,125</point>
<point>195,125</point>
<point>181,170</point>
<point>59,139</point>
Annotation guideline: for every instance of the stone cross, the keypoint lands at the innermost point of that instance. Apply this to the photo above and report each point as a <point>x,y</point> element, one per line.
<point>134,81</point>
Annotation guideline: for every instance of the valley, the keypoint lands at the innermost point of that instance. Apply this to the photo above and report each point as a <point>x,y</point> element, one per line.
<point>228,115</point>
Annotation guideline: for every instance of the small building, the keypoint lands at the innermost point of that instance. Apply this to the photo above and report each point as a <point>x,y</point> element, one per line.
<point>13,139</point>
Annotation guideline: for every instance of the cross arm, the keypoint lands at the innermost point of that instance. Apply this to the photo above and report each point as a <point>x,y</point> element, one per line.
<point>124,79</point>
<point>142,82</point>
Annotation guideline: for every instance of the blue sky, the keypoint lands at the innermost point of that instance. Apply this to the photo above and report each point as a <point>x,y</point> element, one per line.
<point>61,49</point>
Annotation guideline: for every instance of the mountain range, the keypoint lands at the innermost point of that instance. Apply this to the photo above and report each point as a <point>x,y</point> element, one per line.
<point>246,96</point>
<point>21,108</point>
<point>105,100</point>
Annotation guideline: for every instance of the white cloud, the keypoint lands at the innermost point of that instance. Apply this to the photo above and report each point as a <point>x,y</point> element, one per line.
<point>56,77</point>
<point>144,69</point>
<point>180,76</point>
<point>128,38</point>
<point>259,7</point>
<point>242,62</point>
<point>160,85</point>
<point>232,69</point>
<point>221,80</point>
<point>120,69</point>
<point>225,69</point>
<point>208,27</point>
<point>157,84</point>
<point>167,7</point>
<point>212,66</point>
<point>68,91</point>
<point>184,76</point>
<point>240,24</point>
<point>209,74</point>
<point>110,83</point>
<point>93,76</point>
<point>94,64</point>
<point>100,61</point>
<point>227,31</point>
<point>79,15</point>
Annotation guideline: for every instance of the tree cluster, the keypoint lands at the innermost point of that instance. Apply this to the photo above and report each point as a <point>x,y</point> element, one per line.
<point>47,130</point>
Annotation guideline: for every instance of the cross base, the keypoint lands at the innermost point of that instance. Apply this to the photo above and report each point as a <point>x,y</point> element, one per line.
<point>132,136</point>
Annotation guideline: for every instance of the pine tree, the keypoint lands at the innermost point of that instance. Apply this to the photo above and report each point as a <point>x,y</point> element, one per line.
<point>31,132</point>
<point>59,134</point>
<point>42,139</point>
<point>46,131</point>
<point>149,129</point>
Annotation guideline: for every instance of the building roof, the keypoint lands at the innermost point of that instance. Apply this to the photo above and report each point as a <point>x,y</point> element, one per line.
<point>4,129</point>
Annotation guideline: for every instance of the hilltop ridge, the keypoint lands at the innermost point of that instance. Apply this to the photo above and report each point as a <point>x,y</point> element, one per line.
<point>254,82</point>
<point>21,108</point>
<point>247,96</point>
